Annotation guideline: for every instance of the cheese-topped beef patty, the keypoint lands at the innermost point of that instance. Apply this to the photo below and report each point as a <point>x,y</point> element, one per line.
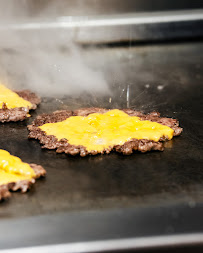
<point>97,130</point>
<point>16,175</point>
<point>15,105</point>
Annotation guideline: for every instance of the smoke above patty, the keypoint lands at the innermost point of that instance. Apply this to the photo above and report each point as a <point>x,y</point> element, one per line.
<point>46,61</point>
<point>47,66</point>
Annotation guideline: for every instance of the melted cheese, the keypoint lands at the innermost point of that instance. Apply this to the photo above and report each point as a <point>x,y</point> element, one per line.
<point>12,169</point>
<point>98,131</point>
<point>6,178</point>
<point>11,99</point>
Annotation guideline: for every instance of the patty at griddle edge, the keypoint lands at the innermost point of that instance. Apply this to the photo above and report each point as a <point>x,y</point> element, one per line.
<point>22,185</point>
<point>19,113</point>
<point>143,145</point>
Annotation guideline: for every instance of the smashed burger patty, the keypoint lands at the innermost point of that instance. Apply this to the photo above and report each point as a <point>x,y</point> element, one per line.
<point>15,106</point>
<point>97,130</point>
<point>16,175</point>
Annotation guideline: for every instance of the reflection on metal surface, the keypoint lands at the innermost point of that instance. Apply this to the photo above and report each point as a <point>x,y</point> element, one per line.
<point>113,28</point>
<point>114,245</point>
<point>112,20</point>
<point>128,96</point>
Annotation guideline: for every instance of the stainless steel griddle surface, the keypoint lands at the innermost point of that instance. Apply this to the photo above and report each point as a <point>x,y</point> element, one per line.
<point>167,78</point>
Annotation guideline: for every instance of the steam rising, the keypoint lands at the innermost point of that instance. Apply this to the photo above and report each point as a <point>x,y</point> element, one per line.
<point>47,63</point>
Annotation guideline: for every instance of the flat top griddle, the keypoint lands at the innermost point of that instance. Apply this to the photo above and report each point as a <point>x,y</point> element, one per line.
<point>167,78</point>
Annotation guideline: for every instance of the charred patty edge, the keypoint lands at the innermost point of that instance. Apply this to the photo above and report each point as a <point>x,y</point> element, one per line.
<point>19,113</point>
<point>23,185</point>
<point>62,146</point>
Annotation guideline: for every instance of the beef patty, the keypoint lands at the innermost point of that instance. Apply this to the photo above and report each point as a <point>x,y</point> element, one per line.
<point>143,145</point>
<point>22,185</point>
<point>19,113</point>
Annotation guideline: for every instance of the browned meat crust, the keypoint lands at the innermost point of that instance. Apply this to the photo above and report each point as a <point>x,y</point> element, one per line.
<point>87,111</point>
<point>30,96</point>
<point>51,142</point>
<point>4,192</point>
<point>54,117</point>
<point>23,185</point>
<point>19,114</point>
